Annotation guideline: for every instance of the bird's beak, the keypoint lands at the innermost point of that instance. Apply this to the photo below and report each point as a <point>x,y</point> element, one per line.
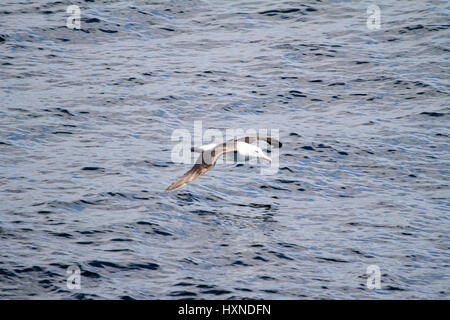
<point>266,158</point>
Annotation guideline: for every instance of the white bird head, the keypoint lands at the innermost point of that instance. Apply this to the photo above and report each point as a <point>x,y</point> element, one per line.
<point>250,150</point>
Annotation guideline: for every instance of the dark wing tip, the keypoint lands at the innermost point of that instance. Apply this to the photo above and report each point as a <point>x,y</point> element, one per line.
<point>177,184</point>
<point>168,189</point>
<point>196,171</point>
<point>274,142</point>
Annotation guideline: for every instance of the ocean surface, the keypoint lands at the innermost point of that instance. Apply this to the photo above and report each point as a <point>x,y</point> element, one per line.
<point>86,123</point>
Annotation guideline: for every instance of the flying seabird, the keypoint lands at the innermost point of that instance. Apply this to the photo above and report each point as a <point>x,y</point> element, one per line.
<point>211,152</point>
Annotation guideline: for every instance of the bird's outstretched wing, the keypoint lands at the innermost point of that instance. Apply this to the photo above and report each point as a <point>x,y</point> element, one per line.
<point>196,171</point>
<point>205,162</point>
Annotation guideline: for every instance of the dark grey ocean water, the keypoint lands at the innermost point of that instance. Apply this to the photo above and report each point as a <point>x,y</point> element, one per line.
<point>86,120</point>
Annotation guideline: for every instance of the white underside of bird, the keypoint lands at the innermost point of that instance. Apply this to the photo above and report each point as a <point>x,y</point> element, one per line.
<point>243,149</point>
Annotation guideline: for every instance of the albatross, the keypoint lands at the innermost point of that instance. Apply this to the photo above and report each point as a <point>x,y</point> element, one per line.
<point>211,152</point>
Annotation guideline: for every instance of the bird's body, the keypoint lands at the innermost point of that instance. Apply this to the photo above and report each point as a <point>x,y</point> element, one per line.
<point>210,153</point>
